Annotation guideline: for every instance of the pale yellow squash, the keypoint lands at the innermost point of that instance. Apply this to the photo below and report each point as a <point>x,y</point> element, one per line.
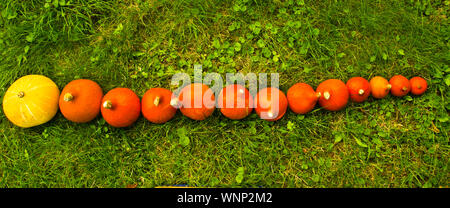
<point>31,100</point>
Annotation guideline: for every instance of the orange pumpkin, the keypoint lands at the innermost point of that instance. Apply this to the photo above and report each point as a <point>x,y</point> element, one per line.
<point>270,104</point>
<point>302,98</point>
<point>196,101</point>
<point>418,85</point>
<point>121,107</point>
<point>80,100</point>
<point>334,94</point>
<point>156,105</point>
<point>400,85</point>
<point>358,89</point>
<point>379,87</point>
<point>235,102</point>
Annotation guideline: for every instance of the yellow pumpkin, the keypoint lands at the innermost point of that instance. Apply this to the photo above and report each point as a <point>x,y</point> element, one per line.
<point>31,100</point>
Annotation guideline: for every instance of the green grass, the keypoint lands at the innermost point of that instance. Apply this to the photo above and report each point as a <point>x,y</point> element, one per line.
<point>392,142</point>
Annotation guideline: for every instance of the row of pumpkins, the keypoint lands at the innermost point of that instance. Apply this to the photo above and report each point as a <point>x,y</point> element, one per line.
<point>35,99</point>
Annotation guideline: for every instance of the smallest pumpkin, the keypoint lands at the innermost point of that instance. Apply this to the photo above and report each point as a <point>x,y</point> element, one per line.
<point>358,89</point>
<point>156,106</point>
<point>400,85</point>
<point>418,85</point>
<point>121,107</point>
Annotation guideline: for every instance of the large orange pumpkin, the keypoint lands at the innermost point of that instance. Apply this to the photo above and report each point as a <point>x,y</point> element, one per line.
<point>235,102</point>
<point>418,85</point>
<point>31,100</point>
<point>121,107</point>
<point>302,98</point>
<point>270,104</point>
<point>358,89</point>
<point>196,101</point>
<point>334,94</point>
<point>156,106</point>
<point>80,100</point>
<point>379,87</point>
<point>400,85</point>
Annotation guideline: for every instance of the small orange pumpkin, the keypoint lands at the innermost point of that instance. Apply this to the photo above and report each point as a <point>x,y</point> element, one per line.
<point>196,101</point>
<point>400,85</point>
<point>235,102</point>
<point>121,107</point>
<point>358,89</point>
<point>418,85</point>
<point>334,94</point>
<point>156,106</point>
<point>379,86</point>
<point>302,98</point>
<point>270,106</point>
<point>80,100</point>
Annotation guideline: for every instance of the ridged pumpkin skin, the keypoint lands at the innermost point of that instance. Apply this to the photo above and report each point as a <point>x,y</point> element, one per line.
<point>418,85</point>
<point>334,94</point>
<point>400,85</point>
<point>197,101</point>
<point>80,100</point>
<point>235,102</point>
<point>31,100</point>
<point>268,108</point>
<point>380,87</point>
<point>302,98</point>
<point>121,107</point>
<point>156,106</point>
<point>358,89</point>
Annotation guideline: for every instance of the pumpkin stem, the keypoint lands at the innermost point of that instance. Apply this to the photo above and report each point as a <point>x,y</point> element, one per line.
<point>419,86</point>
<point>156,101</point>
<point>389,86</point>
<point>318,94</point>
<point>107,104</point>
<point>326,95</point>
<point>68,97</point>
<point>404,88</point>
<point>270,114</point>
<point>21,94</point>
<point>361,92</point>
<point>174,102</point>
